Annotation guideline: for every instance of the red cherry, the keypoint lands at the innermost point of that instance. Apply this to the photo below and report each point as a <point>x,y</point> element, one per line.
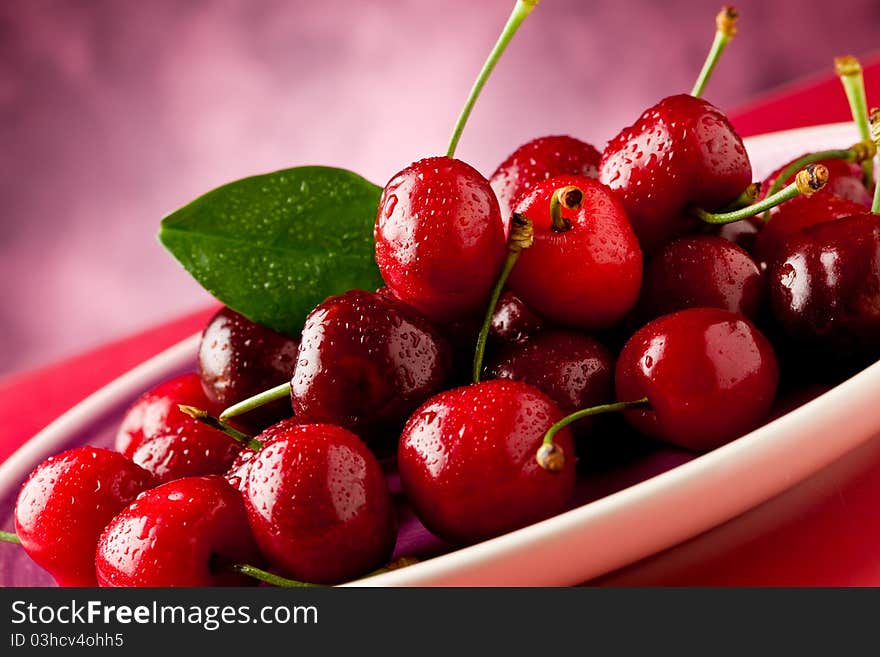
<point>794,215</point>
<point>238,359</point>
<point>701,271</point>
<point>513,321</point>
<point>539,159</point>
<point>159,437</point>
<point>182,533</point>
<point>681,152</point>
<point>319,506</point>
<point>709,376</point>
<point>238,471</point>
<point>825,288</point>
<point>585,273</point>
<point>65,504</point>
<point>467,461</point>
<point>365,363</point>
<point>440,239</point>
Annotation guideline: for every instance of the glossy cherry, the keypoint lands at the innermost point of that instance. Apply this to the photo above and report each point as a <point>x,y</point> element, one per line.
<point>365,363</point>
<point>825,289</point>
<point>467,461</point>
<point>539,159</point>
<point>701,271</point>
<point>238,471</point>
<point>239,358</point>
<point>159,437</point>
<point>183,533</point>
<point>513,321</point>
<point>573,369</point>
<point>708,374</point>
<point>585,274</point>
<point>440,238</point>
<point>319,506</point>
<point>681,152</point>
<point>65,504</point>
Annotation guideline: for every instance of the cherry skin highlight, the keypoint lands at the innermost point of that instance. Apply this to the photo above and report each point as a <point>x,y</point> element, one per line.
<point>170,444</point>
<point>681,152</point>
<point>238,359</point>
<point>440,239</point>
<point>183,533</point>
<point>467,461</point>
<point>366,362</point>
<point>709,375</point>
<point>539,159</point>
<point>513,321</point>
<point>701,271</point>
<point>65,504</point>
<point>319,506</point>
<point>588,276</point>
<point>238,471</point>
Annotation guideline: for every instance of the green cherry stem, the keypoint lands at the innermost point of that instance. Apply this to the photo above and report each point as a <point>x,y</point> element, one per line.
<point>875,135</point>
<point>520,11</point>
<point>206,418</point>
<point>521,237</point>
<point>269,578</point>
<point>725,24</point>
<point>9,537</point>
<point>849,70</point>
<point>260,399</point>
<point>550,456</point>
<point>807,181</point>
<point>748,196</point>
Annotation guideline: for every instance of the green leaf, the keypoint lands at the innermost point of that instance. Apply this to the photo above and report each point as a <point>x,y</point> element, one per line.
<point>272,247</point>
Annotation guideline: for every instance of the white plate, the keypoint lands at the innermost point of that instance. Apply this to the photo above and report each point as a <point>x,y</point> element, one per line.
<point>617,529</point>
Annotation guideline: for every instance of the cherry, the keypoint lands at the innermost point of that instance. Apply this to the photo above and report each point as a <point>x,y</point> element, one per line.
<point>584,268</point>
<point>513,321</point>
<point>539,159</point>
<point>681,152</point>
<point>709,376</point>
<point>467,461</point>
<point>701,270</point>
<point>65,504</point>
<point>319,506</point>
<point>825,289</point>
<point>238,471</point>
<point>183,533</point>
<point>239,358</point>
<point>573,369</point>
<point>170,444</point>
<point>440,239</point>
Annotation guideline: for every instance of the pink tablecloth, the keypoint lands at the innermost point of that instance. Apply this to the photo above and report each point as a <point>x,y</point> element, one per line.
<point>831,538</point>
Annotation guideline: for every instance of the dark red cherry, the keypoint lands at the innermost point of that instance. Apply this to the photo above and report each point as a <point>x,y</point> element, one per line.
<point>239,358</point>
<point>586,275</point>
<point>825,288</point>
<point>539,159</point>
<point>365,363</point>
<point>794,215</point>
<point>709,376</point>
<point>440,238</point>
<point>573,369</point>
<point>238,471</point>
<point>682,151</point>
<point>319,506</point>
<point>183,533</point>
<point>467,461</point>
<point>65,504</point>
<point>701,271</point>
<point>512,320</point>
<point>159,437</point>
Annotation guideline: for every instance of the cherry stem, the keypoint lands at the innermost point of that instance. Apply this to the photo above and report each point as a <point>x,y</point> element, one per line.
<point>748,196</point>
<point>9,537</point>
<point>849,69</point>
<point>521,237</point>
<point>808,181</point>
<point>568,197</point>
<point>520,11</point>
<point>260,399</point>
<point>725,23</point>
<point>875,135</point>
<point>206,418</point>
<point>550,456</point>
<point>269,578</point>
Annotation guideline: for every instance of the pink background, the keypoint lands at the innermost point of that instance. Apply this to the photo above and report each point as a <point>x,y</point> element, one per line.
<point>114,113</point>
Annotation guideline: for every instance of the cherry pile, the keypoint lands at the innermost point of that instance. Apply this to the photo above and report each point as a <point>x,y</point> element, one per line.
<point>654,279</point>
